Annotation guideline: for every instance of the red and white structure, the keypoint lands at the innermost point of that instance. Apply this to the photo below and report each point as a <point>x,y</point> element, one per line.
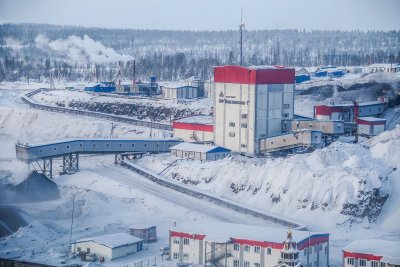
<point>372,253</point>
<point>250,103</point>
<point>235,245</point>
<point>370,126</point>
<point>198,128</point>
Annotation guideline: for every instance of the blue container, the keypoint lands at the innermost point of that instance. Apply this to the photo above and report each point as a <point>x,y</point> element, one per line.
<point>302,78</point>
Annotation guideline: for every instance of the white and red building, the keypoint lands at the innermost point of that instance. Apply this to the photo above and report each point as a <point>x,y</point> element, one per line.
<point>235,245</point>
<point>198,128</point>
<point>370,126</point>
<point>372,253</point>
<point>250,104</point>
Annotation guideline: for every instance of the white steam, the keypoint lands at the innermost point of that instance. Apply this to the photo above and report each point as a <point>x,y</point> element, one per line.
<point>80,50</point>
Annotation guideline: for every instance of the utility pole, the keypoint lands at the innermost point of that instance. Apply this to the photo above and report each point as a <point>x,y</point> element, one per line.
<point>72,220</point>
<point>241,28</point>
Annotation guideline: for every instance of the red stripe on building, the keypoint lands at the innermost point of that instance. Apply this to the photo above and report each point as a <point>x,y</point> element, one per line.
<point>186,235</point>
<point>327,110</point>
<point>263,244</point>
<point>363,122</point>
<point>369,257</point>
<point>193,126</point>
<point>243,75</point>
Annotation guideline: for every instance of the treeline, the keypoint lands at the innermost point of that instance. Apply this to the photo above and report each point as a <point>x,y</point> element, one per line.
<point>174,55</point>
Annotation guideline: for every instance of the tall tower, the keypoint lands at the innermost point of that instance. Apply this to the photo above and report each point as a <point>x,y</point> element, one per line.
<point>241,29</point>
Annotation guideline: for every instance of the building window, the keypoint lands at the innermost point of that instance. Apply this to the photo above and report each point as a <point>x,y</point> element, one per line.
<point>176,240</point>
<point>256,264</point>
<point>133,145</point>
<point>67,146</point>
<point>362,262</point>
<point>88,250</point>
<point>236,247</point>
<point>286,106</point>
<point>231,134</point>
<point>326,250</point>
<point>246,248</point>
<point>286,115</point>
<point>320,247</point>
<point>382,264</point>
<point>310,250</point>
<point>185,256</point>
<point>284,140</point>
<point>305,251</point>
<point>243,125</point>
<point>175,256</point>
<point>231,124</point>
<point>350,261</point>
<point>374,264</point>
<point>78,249</point>
<point>186,241</point>
<point>257,249</point>
<point>269,250</point>
<point>246,264</point>
<point>235,263</point>
<point>244,116</point>
<point>243,145</point>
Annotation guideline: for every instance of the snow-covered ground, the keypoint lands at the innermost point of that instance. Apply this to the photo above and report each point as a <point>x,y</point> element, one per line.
<point>109,198</point>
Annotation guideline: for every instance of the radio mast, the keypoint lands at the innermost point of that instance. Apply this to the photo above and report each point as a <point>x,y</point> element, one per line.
<point>241,28</point>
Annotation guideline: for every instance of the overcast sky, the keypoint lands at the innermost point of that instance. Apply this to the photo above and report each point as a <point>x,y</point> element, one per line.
<point>208,14</point>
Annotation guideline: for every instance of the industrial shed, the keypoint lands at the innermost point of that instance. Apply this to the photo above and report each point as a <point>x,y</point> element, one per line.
<point>370,126</point>
<point>198,128</point>
<point>179,91</point>
<point>109,246</point>
<point>199,151</point>
<point>146,232</point>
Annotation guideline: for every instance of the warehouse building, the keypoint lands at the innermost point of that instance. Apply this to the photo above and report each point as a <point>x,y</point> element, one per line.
<point>302,75</point>
<point>235,245</point>
<point>179,91</point>
<point>250,104</point>
<point>372,253</point>
<point>109,246</point>
<point>370,126</point>
<point>199,151</point>
<point>198,128</point>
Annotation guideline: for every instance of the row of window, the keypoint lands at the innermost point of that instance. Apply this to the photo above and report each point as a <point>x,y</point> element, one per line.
<point>107,145</point>
<point>243,125</point>
<point>185,257</point>
<point>185,240</point>
<point>246,248</point>
<point>245,264</point>
<point>315,248</point>
<point>363,263</point>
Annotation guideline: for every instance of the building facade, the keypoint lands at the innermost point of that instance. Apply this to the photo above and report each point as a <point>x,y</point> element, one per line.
<point>370,126</point>
<point>250,104</point>
<point>145,232</point>
<point>199,151</point>
<point>109,246</point>
<point>231,245</point>
<point>179,91</point>
<point>198,128</point>
<point>372,253</point>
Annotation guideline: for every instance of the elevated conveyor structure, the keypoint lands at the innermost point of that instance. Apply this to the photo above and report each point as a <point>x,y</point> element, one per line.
<point>41,156</point>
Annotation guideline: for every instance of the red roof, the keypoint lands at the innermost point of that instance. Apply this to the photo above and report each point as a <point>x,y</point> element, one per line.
<point>254,75</point>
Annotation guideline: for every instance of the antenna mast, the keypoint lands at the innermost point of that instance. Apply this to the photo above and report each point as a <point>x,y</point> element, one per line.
<point>241,28</point>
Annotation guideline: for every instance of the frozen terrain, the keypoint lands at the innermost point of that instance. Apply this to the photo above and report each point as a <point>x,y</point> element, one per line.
<point>342,185</point>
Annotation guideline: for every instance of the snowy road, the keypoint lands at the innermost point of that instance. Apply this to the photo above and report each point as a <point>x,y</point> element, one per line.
<point>134,180</point>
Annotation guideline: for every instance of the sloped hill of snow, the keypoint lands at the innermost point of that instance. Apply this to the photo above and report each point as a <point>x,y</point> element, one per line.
<point>344,182</point>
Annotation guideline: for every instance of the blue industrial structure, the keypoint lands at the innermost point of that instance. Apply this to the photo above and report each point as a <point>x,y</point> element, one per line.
<point>103,87</point>
<point>43,154</point>
<point>302,78</point>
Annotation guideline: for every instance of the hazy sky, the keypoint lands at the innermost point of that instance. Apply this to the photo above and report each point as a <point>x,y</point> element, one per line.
<point>208,14</point>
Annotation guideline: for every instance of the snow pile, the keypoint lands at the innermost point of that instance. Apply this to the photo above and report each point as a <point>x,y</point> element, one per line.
<point>344,182</point>
<point>81,50</point>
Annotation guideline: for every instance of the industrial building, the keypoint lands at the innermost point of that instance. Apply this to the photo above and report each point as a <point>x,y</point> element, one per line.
<point>146,88</point>
<point>235,245</point>
<point>198,128</point>
<point>250,104</point>
<point>370,126</point>
<point>199,151</point>
<point>302,75</point>
<point>109,246</point>
<point>179,91</point>
<point>103,87</point>
<point>145,232</point>
<point>372,253</point>
<point>383,67</point>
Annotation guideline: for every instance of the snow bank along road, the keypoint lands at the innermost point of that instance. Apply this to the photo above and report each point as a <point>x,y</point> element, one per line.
<point>26,98</point>
<point>184,191</point>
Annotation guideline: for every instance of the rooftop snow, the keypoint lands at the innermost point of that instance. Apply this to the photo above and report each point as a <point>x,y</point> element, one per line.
<point>113,240</point>
<point>195,147</point>
<point>222,232</point>
<point>378,247</point>
<point>175,84</point>
<point>199,119</point>
<point>371,119</point>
